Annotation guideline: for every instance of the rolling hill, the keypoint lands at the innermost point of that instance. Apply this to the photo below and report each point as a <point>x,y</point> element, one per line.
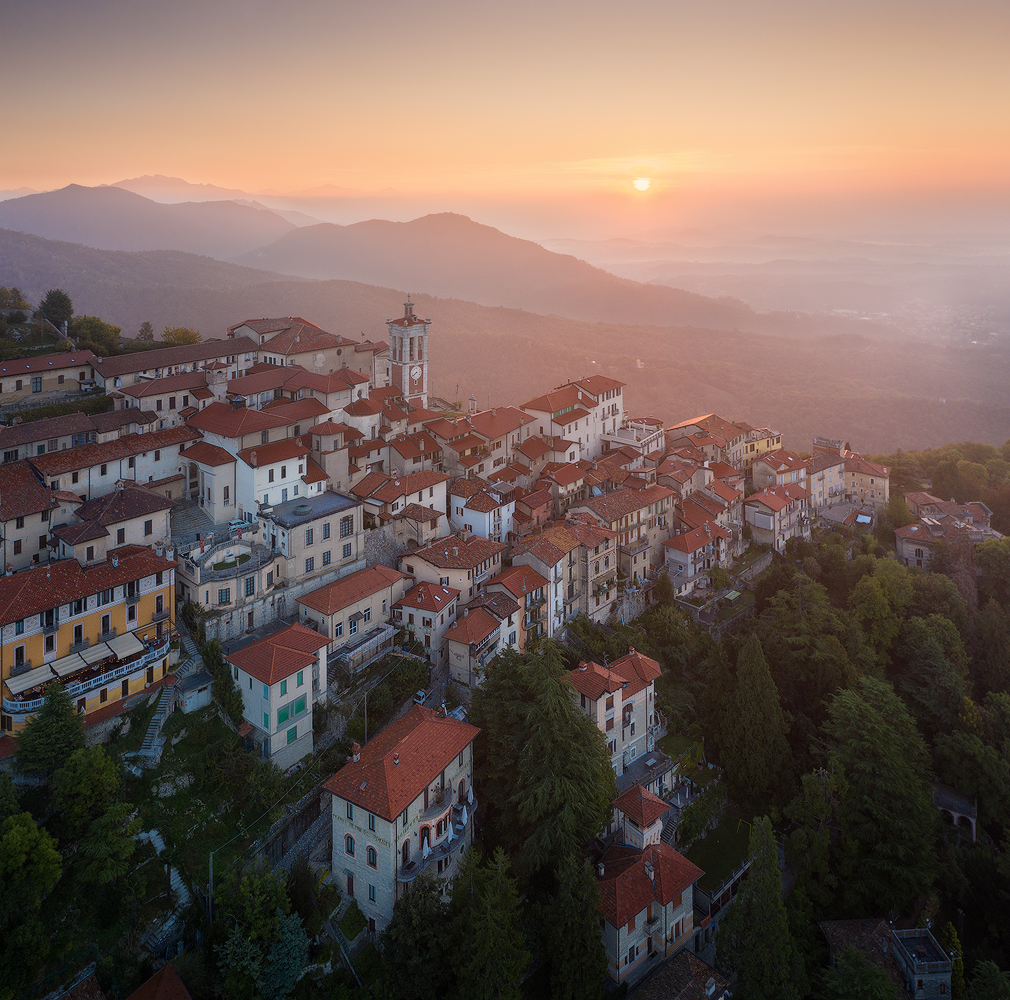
<point>109,218</point>
<point>880,394</point>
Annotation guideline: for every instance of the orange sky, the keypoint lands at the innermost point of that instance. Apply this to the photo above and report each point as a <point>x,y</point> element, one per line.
<point>710,99</point>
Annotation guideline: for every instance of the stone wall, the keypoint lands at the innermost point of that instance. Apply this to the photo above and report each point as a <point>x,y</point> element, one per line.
<point>382,547</point>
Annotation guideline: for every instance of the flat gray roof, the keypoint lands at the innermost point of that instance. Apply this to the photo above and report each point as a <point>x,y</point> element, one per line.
<point>301,510</point>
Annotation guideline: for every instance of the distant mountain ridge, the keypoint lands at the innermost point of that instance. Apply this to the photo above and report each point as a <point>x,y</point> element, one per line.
<point>881,392</point>
<point>452,256</point>
<point>109,218</point>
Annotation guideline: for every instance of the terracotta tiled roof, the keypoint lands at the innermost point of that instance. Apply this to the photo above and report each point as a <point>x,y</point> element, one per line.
<point>453,552</point>
<point>42,430</point>
<point>712,423</point>
<point>428,597</point>
<point>594,681</point>
<point>597,385</point>
<point>639,804</point>
<point>226,421</point>
<point>536,499</point>
<point>121,505</point>
<point>22,492</point>
<point>563,474</point>
<point>418,512</point>
<point>534,448</point>
<point>821,462</point>
<point>613,506</point>
<point>300,336</point>
<point>473,627</point>
<point>47,362</point>
<point>777,497</point>
<point>684,977</point>
<point>627,888</point>
<point>74,534</point>
<point>500,603</point>
<point>165,984</point>
<point>724,491</point>
<point>482,503</point>
<point>55,463</point>
<point>172,383</point>
<point>166,357</point>
<point>519,581</point>
<point>415,445</point>
<point>400,761</point>
<point>262,378</point>
<point>782,460</point>
<point>34,590</point>
<point>274,452</point>
<point>350,589</point>
<point>722,470</point>
<point>313,474</point>
<point>296,409</point>
<point>637,669</point>
<point>367,345</point>
<point>854,463</point>
<point>207,454</point>
<point>446,429</point>
<point>280,655</point>
<point>499,421</point>
<point>560,399</point>
<point>697,538</point>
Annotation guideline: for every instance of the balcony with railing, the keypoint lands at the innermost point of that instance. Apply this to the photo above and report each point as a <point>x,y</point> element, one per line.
<point>442,847</point>
<point>99,675</point>
<point>634,547</point>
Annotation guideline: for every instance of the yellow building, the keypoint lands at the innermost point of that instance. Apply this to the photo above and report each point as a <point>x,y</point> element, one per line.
<point>102,631</point>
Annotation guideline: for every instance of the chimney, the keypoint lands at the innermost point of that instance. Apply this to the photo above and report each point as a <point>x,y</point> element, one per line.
<point>455,550</point>
<point>599,869</point>
<point>396,759</point>
<point>355,751</point>
<point>650,871</point>
<point>253,459</point>
<point>115,562</point>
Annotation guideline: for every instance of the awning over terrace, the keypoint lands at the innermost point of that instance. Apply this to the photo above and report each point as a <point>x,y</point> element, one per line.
<point>24,682</point>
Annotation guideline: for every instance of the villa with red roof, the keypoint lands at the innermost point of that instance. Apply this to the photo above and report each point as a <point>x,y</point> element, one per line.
<point>280,677</point>
<point>621,699</point>
<point>403,804</point>
<point>427,612</point>
<point>647,907</point>
<point>778,513</point>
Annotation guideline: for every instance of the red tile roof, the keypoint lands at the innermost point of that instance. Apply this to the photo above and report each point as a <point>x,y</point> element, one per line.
<point>472,627</point>
<point>56,463</point>
<point>613,506</point>
<point>597,385</point>
<point>172,383</point>
<point>207,454</point>
<point>454,552</point>
<point>350,589</point>
<point>223,419</point>
<point>697,538</point>
<point>639,804</point>
<point>560,399</point>
<point>167,357</point>
<point>165,984</point>
<point>627,888</point>
<point>313,474</point>
<point>594,681</point>
<point>428,597</point>
<point>296,409</point>
<point>415,445</point>
<point>777,497</point>
<point>22,492</point>
<point>270,454</point>
<point>121,505</point>
<point>519,580</point>
<point>280,655</point>
<point>400,761</point>
<point>42,587</point>
<point>47,362</point>
<point>499,421</point>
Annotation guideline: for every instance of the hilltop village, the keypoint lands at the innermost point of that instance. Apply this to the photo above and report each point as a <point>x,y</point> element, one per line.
<point>265,528</point>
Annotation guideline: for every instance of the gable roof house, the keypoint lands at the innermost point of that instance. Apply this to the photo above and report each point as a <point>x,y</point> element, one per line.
<point>427,612</point>
<point>291,340</point>
<point>463,562</point>
<point>236,355</point>
<point>280,678</point>
<point>46,377</point>
<point>642,521</point>
<point>482,508</point>
<point>488,624</point>
<point>403,804</point>
<point>778,513</point>
<point>29,513</point>
<point>568,412</point>
<point>353,614</point>
<point>647,906</point>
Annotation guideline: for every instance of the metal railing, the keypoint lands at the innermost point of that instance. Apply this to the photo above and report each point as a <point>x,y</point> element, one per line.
<point>28,706</point>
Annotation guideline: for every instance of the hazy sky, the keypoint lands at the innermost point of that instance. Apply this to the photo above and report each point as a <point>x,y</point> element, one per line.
<point>713,100</point>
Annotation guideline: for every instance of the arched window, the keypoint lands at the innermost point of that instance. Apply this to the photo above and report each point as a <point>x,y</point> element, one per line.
<point>462,789</point>
<point>405,852</point>
<point>371,857</point>
<point>349,844</point>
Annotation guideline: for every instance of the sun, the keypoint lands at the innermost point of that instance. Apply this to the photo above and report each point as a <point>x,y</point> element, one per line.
<point>642,183</point>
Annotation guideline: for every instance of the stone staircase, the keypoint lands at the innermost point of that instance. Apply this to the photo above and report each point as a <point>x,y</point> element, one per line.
<point>190,661</point>
<point>165,932</point>
<point>151,746</point>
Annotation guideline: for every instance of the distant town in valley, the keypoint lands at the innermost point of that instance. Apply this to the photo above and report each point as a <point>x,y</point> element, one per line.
<point>315,682</point>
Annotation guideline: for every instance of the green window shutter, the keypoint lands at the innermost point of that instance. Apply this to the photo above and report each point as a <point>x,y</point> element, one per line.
<point>292,735</point>
<point>284,688</point>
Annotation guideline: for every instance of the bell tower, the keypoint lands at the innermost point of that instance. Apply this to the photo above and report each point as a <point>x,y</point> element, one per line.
<point>408,355</point>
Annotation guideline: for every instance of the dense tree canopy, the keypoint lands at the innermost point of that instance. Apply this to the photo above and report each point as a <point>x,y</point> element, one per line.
<point>176,336</point>
<point>545,770</point>
<point>57,307</point>
<point>52,736</point>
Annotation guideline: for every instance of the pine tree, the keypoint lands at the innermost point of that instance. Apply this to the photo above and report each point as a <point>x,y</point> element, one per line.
<point>951,944</point>
<point>49,740</point>
<point>416,946</point>
<point>489,935</point>
<point>753,938</point>
<point>854,977</point>
<point>756,758</point>
<point>885,855</point>
<point>570,936</point>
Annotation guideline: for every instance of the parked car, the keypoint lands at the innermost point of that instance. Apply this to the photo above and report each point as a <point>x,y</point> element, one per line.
<point>420,697</point>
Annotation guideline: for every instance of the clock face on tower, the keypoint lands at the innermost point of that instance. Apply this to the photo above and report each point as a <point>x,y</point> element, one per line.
<point>415,373</point>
